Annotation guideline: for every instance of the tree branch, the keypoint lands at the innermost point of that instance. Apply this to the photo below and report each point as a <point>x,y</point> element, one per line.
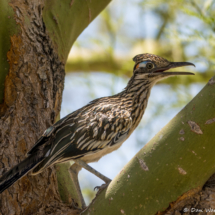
<point>65,20</point>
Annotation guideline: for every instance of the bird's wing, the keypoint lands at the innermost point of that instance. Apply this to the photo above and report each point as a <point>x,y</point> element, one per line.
<point>92,130</point>
<point>87,131</point>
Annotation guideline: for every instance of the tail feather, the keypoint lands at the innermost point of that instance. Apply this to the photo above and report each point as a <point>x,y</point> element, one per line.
<point>19,171</point>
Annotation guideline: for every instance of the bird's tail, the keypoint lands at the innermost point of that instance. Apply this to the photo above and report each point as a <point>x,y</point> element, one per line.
<point>19,171</point>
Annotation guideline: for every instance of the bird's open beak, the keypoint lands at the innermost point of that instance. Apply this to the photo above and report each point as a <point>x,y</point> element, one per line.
<point>162,72</point>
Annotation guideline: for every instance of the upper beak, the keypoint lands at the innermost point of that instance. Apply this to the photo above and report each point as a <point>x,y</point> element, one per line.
<point>170,66</point>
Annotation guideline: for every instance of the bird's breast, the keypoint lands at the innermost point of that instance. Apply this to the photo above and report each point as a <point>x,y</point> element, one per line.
<point>96,155</point>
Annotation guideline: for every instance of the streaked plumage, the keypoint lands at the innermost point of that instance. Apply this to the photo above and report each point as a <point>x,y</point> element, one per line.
<point>90,129</point>
<point>98,128</point>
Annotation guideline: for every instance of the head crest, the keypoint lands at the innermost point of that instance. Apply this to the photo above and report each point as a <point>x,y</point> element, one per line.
<point>146,56</point>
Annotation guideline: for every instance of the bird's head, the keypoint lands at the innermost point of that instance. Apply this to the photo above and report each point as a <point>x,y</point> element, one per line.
<point>153,67</point>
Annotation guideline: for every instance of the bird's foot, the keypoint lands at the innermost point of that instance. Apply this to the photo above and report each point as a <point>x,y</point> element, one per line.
<point>102,187</point>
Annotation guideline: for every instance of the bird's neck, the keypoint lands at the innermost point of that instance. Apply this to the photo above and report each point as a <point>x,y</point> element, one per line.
<point>136,94</point>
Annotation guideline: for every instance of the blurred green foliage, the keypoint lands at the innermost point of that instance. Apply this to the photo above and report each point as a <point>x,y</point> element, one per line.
<point>184,31</point>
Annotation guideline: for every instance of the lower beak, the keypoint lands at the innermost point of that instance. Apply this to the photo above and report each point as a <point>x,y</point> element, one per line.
<point>170,66</point>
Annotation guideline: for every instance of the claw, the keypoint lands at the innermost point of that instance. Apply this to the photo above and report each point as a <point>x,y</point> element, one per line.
<point>102,187</point>
<point>96,188</point>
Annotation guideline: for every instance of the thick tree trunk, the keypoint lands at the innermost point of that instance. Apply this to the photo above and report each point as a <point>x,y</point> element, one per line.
<point>33,91</point>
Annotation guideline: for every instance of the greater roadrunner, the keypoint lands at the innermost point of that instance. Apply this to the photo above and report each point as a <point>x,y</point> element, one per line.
<point>96,129</point>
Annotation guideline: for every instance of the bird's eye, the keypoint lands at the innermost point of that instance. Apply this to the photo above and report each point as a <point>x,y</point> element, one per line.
<point>149,65</point>
<point>145,64</point>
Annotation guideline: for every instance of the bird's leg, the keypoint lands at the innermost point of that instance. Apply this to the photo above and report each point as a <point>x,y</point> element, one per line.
<point>98,174</point>
<point>74,170</point>
<point>90,169</point>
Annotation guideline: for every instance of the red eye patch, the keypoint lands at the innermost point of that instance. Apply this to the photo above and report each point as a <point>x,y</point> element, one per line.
<point>137,66</point>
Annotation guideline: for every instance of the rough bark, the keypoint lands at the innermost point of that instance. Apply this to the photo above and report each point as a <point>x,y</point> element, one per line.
<point>33,89</point>
<point>168,174</point>
<point>32,96</point>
